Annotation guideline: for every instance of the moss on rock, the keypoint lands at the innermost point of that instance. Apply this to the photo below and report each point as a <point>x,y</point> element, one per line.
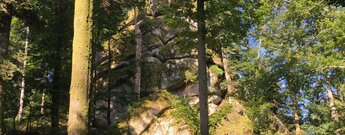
<point>236,122</point>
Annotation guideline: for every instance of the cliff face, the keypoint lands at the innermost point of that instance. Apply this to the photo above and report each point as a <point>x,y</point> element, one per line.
<point>167,64</point>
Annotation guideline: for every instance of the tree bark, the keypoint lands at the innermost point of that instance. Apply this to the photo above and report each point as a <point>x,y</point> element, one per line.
<point>5,24</point>
<point>334,112</point>
<point>138,40</point>
<point>79,100</point>
<point>43,102</point>
<point>94,67</point>
<point>109,82</point>
<point>2,128</point>
<point>59,45</point>
<point>298,130</point>
<point>203,94</point>
<point>22,88</point>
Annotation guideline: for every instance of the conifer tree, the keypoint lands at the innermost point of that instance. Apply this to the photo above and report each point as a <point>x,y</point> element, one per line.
<point>79,102</point>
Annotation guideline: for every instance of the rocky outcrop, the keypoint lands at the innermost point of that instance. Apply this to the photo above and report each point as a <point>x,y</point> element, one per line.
<point>164,63</point>
<point>166,125</point>
<point>236,122</point>
<point>155,116</point>
<point>152,116</point>
<point>146,113</point>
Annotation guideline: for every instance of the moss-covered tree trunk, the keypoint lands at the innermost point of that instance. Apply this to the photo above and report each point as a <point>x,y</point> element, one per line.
<point>5,24</point>
<point>79,102</point>
<point>203,94</point>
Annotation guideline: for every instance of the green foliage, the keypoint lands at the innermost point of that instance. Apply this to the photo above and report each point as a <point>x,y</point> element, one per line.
<point>8,69</point>
<point>218,116</point>
<point>107,16</point>
<point>288,68</point>
<point>259,114</point>
<point>190,77</point>
<point>280,52</point>
<point>185,114</point>
<point>215,69</point>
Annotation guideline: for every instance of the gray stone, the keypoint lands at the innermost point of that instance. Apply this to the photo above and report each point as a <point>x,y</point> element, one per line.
<point>194,101</point>
<point>212,108</point>
<point>215,99</point>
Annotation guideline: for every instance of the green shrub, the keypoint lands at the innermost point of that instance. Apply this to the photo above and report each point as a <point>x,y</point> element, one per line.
<point>185,114</point>
<point>218,116</point>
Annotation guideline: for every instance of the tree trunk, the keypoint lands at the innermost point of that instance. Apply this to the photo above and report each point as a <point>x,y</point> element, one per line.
<point>138,40</point>
<point>43,102</point>
<point>55,92</point>
<point>28,123</point>
<point>298,130</point>
<point>94,67</point>
<point>2,126</point>
<point>203,94</point>
<point>109,82</point>
<point>258,60</point>
<point>59,45</point>
<point>334,112</point>
<point>79,101</point>
<point>22,88</point>
<point>5,24</point>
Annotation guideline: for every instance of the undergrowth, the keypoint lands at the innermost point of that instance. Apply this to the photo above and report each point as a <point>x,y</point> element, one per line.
<point>185,114</point>
<point>218,116</point>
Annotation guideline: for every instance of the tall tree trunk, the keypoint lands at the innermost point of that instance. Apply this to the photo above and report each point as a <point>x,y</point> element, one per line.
<point>138,40</point>
<point>5,24</point>
<point>93,88</point>
<point>334,112</point>
<point>298,130</point>
<point>109,82</point>
<point>79,101</point>
<point>22,88</point>
<point>55,92</point>
<point>203,94</point>
<point>59,45</point>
